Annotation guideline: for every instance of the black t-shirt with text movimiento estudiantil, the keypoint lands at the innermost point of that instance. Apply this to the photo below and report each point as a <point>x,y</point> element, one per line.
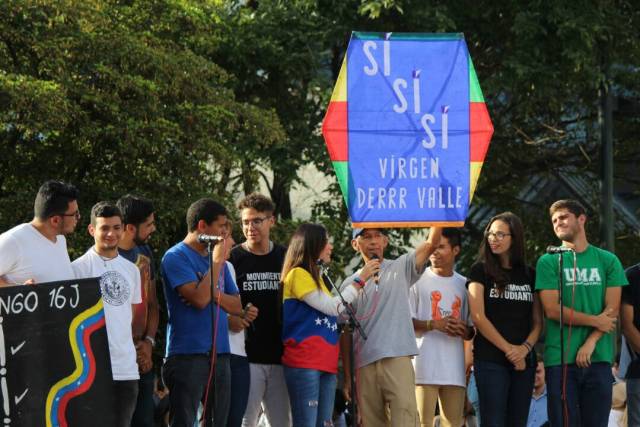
<point>510,311</point>
<point>258,279</point>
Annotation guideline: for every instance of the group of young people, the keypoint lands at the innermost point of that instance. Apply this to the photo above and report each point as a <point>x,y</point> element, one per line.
<point>255,327</point>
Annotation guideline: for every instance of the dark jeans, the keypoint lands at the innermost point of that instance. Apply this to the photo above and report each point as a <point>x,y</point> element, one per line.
<point>240,380</point>
<point>125,394</point>
<point>633,401</point>
<point>143,414</point>
<point>588,394</point>
<point>186,378</point>
<point>504,393</point>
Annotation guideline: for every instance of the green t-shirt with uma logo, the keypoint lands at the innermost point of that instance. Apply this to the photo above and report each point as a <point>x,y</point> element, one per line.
<point>597,269</point>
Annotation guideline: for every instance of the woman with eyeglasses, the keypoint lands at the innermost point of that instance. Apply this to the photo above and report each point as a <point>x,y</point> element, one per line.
<point>310,329</point>
<point>508,317</point>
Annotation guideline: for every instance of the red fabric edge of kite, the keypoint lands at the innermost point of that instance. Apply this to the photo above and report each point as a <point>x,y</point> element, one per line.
<point>334,130</point>
<point>481,131</point>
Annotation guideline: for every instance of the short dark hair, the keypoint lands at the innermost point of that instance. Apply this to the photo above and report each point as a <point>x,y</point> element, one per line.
<point>53,199</point>
<point>453,235</point>
<point>104,210</point>
<point>258,202</point>
<point>135,209</point>
<point>573,206</point>
<point>206,209</point>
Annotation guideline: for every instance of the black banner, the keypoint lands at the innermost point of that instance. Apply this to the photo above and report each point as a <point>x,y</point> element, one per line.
<point>54,356</point>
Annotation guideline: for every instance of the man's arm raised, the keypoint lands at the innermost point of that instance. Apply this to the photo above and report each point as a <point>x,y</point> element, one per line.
<point>426,248</point>
<point>198,294</point>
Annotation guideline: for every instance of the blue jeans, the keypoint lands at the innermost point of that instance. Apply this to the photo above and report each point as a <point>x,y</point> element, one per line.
<point>504,393</point>
<point>588,394</point>
<point>186,378</point>
<point>143,415</point>
<point>311,394</point>
<point>633,401</point>
<point>240,380</point>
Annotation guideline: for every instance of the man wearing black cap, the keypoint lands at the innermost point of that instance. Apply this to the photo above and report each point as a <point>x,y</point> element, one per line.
<point>386,385</point>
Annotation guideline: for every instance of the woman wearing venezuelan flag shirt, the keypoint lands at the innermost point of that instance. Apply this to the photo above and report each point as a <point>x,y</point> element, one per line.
<point>310,327</point>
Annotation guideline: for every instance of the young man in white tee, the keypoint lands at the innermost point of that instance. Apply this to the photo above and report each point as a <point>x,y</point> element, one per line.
<point>120,286</point>
<point>36,251</point>
<point>441,321</point>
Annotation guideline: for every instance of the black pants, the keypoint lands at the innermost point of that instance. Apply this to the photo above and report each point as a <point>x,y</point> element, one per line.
<point>125,395</point>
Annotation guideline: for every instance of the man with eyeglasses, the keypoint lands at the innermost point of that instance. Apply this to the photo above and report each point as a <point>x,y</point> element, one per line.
<point>258,262</point>
<point>36,252</point>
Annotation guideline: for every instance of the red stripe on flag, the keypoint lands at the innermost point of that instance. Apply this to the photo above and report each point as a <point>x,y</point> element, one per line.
<point>481,130</point>
<point>334,129</point>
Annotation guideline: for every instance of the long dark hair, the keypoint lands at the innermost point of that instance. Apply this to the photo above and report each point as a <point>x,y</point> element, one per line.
<point>305,247</point>
<point>517,256</point>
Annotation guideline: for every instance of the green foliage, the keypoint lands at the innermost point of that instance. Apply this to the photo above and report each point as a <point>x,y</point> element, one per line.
<point>91,95</point>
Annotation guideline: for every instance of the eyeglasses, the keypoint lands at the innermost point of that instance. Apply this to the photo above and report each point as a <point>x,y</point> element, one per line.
<point>498,235</point>
<point>75,214</point>
<point>256,222</point>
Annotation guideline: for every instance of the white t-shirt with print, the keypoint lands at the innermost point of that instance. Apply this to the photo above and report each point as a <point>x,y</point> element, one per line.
<point>120,287</point>
<point>26,254</point>
<point>441,358</point>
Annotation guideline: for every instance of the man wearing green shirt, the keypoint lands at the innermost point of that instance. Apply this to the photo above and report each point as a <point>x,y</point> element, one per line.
<point>590,303</point>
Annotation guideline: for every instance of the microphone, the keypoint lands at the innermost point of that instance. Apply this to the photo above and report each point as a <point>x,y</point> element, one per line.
<point>376,277</point>
<point>206,238</point>
<point>558,249</point>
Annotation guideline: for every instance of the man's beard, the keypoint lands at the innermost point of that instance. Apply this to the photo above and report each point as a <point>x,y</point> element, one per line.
<point>139,241</point>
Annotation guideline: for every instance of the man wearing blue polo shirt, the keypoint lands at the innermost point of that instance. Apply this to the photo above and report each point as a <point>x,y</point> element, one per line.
<point>190,336</point>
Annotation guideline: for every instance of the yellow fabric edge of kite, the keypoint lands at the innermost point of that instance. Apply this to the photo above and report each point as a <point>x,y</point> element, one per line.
<point>339,93</point>
<point>475,168</point>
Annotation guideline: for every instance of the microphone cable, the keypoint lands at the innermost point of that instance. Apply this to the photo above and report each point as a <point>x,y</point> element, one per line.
<point>215,317</point>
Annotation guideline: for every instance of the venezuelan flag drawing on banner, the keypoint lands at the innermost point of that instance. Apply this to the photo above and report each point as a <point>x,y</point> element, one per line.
<point>310,337</point>
<point>407,129</point>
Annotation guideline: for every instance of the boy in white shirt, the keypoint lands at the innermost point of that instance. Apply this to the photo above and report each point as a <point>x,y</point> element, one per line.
<point>120,286</point>
<point>441,321</point>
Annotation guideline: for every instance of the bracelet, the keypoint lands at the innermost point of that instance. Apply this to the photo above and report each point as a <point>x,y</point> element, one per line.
<point>429,326</point>
<point>528,346</point>
<point>358,281</point>
<point>151,340</point>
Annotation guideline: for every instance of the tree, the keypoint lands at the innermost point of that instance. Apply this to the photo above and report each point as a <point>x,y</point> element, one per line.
<point>90,95</point>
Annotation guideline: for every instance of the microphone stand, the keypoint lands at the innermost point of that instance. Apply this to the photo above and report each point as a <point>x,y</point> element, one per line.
<point>212,385</point>
<point>563,363</point>
<point>354,325</point>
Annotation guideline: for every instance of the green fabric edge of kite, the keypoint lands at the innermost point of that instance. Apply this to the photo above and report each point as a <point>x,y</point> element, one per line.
<point>475,93</point>
<point>342,173</point>
<point>365,35</point>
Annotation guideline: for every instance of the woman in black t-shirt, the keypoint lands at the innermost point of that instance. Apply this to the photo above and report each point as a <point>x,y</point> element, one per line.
<point>508,317</point>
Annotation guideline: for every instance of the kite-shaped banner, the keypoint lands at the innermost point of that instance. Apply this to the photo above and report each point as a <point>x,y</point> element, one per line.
<point>407,129</point>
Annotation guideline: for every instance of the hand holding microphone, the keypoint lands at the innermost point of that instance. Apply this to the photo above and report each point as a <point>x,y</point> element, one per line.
<point>371,269</point>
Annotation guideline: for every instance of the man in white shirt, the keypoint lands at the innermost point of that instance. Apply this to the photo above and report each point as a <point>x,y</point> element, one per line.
<point>441,321</point>
<point>120,286</point>
<point>36,251</point>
